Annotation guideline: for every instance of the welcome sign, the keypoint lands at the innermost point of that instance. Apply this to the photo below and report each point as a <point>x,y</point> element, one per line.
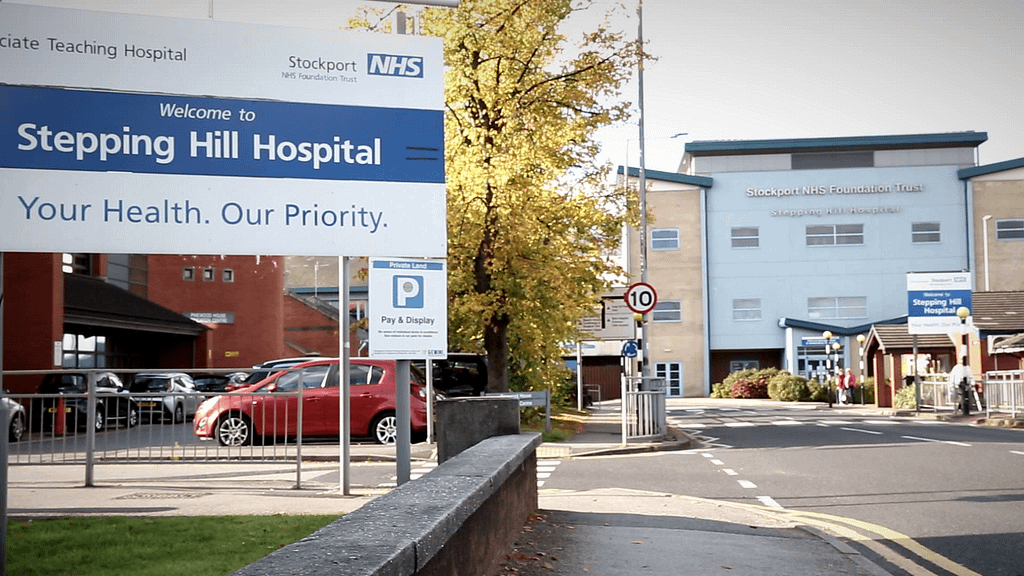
<point>156,135</point>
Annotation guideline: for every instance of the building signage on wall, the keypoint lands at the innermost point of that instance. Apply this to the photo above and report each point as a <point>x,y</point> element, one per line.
<point>933,299</point>
<point>177,136</point>
<point>408,309</point>
<point>211,317</point>
<point>613,320</point>
<point>832,189</point>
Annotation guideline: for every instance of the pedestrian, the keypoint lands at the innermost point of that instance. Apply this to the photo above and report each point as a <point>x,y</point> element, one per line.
<point>840,387</point>
<point>851,385</point>
<point>959,376</point>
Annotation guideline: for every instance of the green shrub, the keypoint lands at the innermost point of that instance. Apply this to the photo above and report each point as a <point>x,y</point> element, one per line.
<point>787,387</point>
<point>720,390</point>
<point>906,397</point>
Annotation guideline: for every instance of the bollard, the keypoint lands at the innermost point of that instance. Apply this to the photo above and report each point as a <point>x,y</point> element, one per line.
<point>59,417</point>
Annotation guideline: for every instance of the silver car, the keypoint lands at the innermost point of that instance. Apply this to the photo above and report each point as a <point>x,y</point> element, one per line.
<point>165,395</point>
<point>16,418</point>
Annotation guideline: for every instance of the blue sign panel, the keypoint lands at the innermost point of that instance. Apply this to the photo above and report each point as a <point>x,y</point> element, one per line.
<point>55,129</point>
<point>630,349</point>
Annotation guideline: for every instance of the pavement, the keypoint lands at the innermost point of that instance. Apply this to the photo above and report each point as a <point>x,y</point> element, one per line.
<point>608,531</point>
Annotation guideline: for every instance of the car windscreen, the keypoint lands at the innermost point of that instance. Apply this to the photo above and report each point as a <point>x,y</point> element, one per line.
<point>150,384</point>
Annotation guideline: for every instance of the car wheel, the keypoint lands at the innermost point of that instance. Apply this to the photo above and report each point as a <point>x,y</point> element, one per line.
<point>133,416</point>
<point>179,414</point>
<point>17,428</point>
<point>234,430</point>
<point>385,428</point>
<point>101,418</point>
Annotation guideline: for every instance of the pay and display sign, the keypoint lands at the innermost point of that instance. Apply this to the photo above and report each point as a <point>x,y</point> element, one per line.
<point>933,299</point>
<point>127,133</point>
<point>408,309</point>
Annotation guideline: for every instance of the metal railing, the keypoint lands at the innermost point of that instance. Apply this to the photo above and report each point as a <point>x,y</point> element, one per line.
<point>93,427</point>
<point>1004,392</point>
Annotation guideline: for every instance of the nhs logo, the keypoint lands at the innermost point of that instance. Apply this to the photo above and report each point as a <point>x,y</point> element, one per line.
<point>395,65</point>
<point>408,292</point>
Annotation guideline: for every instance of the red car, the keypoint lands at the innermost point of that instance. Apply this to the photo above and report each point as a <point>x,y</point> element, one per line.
<point>262,410</point>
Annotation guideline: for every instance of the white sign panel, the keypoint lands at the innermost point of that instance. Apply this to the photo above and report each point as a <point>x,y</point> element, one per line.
<point>408,309</point>
<point>933,299</point>
<point>613,321</point>
<point>132,133</point>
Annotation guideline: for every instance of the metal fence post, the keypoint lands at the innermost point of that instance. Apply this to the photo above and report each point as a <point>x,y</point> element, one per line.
<point>90,430</point>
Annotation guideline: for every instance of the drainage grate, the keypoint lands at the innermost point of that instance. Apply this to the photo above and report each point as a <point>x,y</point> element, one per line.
<point>162,495</point>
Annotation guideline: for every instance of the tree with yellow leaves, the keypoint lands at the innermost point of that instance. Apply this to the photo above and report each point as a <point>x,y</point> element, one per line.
<point>532,220</point>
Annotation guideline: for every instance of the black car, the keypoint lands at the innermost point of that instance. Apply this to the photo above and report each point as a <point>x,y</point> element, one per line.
<point>113,403</point>
<point>212,384</point>
<point>461,374</point>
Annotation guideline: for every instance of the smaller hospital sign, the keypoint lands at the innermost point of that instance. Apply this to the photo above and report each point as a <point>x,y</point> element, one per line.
<point>408,309</point>
<point>933,299</point>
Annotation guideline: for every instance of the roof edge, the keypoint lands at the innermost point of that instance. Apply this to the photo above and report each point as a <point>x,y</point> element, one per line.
<point>785,322</point>
<point>951,139</point>
<point>701,181</point>
<point>967,173</point>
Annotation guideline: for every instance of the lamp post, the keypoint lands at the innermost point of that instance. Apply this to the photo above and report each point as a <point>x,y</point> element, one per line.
<point>863,373</point>
<point>835,347</point>
<point>827,335</point>
<point>965,401</point>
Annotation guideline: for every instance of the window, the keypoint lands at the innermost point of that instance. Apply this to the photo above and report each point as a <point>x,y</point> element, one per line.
<point>227,275</point>
<point>208,274</point>
<point>835,234</point>
<point>668,311</point>
<point>129,271</point>
<point>1010,229</point>
<point>76,263</point>
<point>837,307</point>
<point>925,232</point>
<point>188,274</point>
<point>665,239</point>
<point>672,372</point>
<point>739,365</point>
<point>81,351</point>
<point>745,237</point>
<point>825,160</point>
<point>746,309</point>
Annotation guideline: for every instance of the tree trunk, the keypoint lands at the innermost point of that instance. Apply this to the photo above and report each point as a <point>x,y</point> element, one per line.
<point>496,345</point>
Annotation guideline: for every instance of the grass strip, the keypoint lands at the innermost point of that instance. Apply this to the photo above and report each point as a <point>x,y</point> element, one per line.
<point>144,546</point>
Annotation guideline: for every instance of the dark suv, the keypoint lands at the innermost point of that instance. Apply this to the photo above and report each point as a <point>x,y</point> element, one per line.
<point>461,374</point>
<point>113,403</point>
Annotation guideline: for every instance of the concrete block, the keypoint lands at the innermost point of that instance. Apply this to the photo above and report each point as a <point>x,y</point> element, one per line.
<point>463,422</point>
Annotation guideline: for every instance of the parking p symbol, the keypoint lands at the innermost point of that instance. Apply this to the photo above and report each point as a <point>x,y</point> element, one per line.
<point>408,292</point>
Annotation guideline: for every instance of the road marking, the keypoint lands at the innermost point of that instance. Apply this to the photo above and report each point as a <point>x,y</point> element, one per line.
<point>717,462</point>
<point>544,470</point>
<point>740,424</point>
<point>787,423</point>
<point>1016,452</point>
<point>859,430</point>
<point>770,502</point>
<point>953,442</point>
<point>881,422</point>
<point>747,484</point>
<point>707,455</point>
<point>835,422</point>
<point>730,471</point>
<point>691,425</point>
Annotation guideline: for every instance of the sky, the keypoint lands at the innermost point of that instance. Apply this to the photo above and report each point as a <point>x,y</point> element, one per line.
<point>741,70</point>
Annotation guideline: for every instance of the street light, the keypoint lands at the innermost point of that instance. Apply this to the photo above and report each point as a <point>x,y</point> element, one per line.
<point>863,373</point>
<point>835,347</point>
<point>965,402</point>
<point>827,335</point>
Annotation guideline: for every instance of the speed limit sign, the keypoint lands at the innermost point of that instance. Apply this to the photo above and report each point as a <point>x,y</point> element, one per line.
<point>641,297</point>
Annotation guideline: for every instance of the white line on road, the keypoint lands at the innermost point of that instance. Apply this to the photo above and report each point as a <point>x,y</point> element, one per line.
<point>707,455</point>
<point>859,430</point>
<point>835,422</point>
<point>787,423</point>
<point>717,462</point>
<point>747,484</point>
<point>740,424</point>
<point>730,471</point>
<point>881,422</point>
<point>954,443</point>
<point>1016,452</point>
<point>770,502</point>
